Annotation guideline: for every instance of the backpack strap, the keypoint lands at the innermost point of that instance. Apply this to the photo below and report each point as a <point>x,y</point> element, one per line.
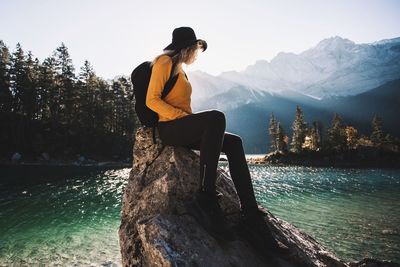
<point>170,83</point>
<point>167,88</point>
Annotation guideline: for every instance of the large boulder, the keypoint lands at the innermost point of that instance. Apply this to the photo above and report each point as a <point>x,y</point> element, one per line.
<point>156,229</point>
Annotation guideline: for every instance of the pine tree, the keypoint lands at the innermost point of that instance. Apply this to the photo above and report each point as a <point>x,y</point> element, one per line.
<point>319,126</point>
<point>377,135</point>
<point>299,128</point>
<point>36,78</point>
<point>390,142</point>
<point>118,106</point>
<point>105,100</point>
<point>86,95</point>
<point>23,87</point>
<point>6,97</point>
<point>336,134</point>
<point>122,106</point>
<point>30,90</point>
<point>48,92</point>
<point>65,82</point>
<point>18,79</point>
<point>272,131</point>
<point>280,138</point>
<point>312,134</point>
<point>127,118</point>
<point>6,101</point>
<point>351,137</point>
<point>315,136</point>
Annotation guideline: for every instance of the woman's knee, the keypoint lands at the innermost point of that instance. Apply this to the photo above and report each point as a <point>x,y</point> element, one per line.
<point>217,117</point>
<point>236,140</point>
<point>232,143</point>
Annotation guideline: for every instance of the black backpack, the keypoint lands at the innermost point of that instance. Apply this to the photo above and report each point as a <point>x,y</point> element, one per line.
<point>140,79</point>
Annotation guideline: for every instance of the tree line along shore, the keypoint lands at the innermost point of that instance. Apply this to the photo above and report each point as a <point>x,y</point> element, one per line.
<point>52,114</point>
<point>49,111</point>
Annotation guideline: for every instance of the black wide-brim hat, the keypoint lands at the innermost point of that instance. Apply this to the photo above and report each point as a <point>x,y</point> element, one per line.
<point>183,37</point>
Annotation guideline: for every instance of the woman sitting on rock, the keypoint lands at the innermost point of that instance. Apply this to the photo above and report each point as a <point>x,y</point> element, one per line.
<point>204,131</point>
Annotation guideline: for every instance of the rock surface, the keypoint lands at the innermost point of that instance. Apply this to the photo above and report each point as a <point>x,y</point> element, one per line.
<point>156,229</point>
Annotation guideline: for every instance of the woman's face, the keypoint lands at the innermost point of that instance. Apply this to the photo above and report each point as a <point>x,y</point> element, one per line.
<point>192,58</point>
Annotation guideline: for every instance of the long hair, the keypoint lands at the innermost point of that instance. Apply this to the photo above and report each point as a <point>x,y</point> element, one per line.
<point>180,56</point>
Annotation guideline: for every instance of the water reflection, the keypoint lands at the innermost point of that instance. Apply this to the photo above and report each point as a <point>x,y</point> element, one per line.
<point>70,220</point>
<point>73,217</point>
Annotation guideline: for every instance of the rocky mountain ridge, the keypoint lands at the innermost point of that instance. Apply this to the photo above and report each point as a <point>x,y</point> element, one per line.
<point>334,67</point>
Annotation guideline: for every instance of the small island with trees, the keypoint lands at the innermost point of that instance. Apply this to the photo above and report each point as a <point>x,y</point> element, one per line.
<point>340,146</point>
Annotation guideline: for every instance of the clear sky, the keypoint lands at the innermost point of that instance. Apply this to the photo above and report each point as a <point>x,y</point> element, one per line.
<point>117,35</point>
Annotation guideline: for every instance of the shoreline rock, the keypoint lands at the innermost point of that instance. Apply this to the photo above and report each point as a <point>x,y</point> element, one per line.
<point>156,229</point>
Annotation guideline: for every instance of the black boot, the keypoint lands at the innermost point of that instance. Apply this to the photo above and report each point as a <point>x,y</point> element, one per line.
<point>207,212</point>
<point>255,230</point>
<point>260,235</point>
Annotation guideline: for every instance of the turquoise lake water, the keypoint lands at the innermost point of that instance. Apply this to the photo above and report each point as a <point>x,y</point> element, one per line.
<point>69,215</point>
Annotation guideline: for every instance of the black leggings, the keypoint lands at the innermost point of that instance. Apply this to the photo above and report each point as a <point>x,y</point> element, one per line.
<point>205,131</point>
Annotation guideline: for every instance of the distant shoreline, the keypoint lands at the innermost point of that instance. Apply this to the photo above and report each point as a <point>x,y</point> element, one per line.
<point>67,163</point>
<point>326,165</point>
<point>340,160</point>
<point>252,159</point>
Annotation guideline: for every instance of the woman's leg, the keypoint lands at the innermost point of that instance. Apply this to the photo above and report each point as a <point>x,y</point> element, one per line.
<point>206,126</point>
<point>233,148</point>
<point>254,226</point>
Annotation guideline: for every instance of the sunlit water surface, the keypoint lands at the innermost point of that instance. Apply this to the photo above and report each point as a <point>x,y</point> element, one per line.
<point>71,216</point>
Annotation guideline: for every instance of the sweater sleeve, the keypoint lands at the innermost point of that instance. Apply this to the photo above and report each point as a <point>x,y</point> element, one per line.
<point>159,76</point>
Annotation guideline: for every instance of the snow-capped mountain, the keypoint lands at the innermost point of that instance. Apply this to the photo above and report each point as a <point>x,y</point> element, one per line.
<point>207,85</point>
<point>334,67</point>
<point>231,99</point>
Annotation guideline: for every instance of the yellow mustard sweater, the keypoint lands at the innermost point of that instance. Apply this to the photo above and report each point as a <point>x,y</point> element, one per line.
<point>177,103</point>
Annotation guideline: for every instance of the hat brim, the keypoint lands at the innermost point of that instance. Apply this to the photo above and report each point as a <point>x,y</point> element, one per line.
<point>173,46</point>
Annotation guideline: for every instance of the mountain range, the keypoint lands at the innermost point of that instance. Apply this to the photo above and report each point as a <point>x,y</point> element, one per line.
<point>356,81</point>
